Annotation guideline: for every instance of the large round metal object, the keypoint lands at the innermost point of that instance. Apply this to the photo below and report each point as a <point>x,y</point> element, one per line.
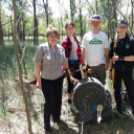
<point>87,96</point>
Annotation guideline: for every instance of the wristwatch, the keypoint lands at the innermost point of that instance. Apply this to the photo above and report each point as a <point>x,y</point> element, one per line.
<point>121,57</point>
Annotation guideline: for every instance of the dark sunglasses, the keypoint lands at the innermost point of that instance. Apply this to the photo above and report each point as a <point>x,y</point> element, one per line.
<point>122,27</point>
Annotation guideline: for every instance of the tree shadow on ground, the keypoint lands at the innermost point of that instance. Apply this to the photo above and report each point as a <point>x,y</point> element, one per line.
<point>63,129</point>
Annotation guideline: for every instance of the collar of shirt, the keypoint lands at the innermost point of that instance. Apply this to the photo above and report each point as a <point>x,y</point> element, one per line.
<point>127,38</point>
<point>52,52</point>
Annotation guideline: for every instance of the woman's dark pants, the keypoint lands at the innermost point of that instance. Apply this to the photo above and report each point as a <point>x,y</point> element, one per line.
<point>52,90</point>
<point>77,75</point>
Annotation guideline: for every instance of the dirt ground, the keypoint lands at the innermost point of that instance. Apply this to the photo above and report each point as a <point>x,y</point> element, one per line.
<point>14,121</point>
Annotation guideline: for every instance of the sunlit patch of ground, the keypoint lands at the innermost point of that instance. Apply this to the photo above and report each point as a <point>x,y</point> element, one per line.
<point>14,122</point>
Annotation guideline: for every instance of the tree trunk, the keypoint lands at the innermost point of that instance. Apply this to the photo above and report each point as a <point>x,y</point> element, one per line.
<point>23,31</point>
<point>90,7</point>
<point>20,69</point>
<point>3,95</point>
<point>62,26</point>
<point>59,25</point>
<point>80,17</point>
<point>37,32</point>
<point>115,15</point>
<point>8,32</point>
<point>96,6</point>
<point>11,28</point>
<point>72,9</point>
<point>35,23</point>
<point>1,30</point>
<point>20,30</point>
<point>18,27</point>
<point>23,35</point>
<point>46,11</point>
<point>109,27</point>
<point>71,12</point>
<point>125,19</point>
<point>132,3</point>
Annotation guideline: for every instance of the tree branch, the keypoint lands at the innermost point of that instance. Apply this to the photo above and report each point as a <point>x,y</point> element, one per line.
<point>3,93</point>
<point>90,5</point>
<point>125,19</point>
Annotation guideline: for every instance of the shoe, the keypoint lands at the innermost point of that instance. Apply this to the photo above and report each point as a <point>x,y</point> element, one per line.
<point>69,101</point>
<point>118,109</point>
<point>56,120</point>
<point>47,131</point>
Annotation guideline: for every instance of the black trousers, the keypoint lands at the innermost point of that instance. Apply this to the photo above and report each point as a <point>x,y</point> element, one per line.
<point>52,90</point>
<point>77,75</point>
<point>127,77</point>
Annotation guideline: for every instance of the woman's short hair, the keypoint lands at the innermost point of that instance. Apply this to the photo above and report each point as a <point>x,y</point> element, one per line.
<point>69,23</point>
<point>50,30</point>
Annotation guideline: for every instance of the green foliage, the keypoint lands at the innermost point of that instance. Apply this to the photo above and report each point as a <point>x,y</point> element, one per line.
<point>7,61</point>
<point>72,8</point>
<point>8,64</point>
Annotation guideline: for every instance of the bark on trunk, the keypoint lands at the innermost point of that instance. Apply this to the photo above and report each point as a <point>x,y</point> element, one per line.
<point>1,30</point>
<point>46,11</point>
<point>20,69</point>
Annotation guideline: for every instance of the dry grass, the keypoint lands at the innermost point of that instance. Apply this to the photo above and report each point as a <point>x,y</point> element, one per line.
<point>15,120</point>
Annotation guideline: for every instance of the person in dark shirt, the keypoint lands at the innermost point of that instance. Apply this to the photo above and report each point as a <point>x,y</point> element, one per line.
<point>124,62</point>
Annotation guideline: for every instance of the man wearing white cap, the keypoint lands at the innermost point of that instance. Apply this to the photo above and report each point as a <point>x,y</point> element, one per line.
<point>95,49</point>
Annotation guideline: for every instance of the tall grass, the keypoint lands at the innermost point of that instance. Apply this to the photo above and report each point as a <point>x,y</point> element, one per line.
<point>8,64</point>
<point>16,119</point>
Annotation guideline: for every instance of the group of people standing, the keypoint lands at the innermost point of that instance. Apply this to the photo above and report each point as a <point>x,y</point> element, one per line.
<point>51,58</point>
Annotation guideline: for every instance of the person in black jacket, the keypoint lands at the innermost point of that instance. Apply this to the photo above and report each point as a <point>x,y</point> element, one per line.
<point>124,61</point>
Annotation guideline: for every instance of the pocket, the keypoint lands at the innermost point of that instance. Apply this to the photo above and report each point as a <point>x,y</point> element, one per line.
<point>60,61</point>
<point>60,58</point>
<point>47,60</point>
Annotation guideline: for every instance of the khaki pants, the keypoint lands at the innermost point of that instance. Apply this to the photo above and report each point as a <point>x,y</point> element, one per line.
<point>98,72</point>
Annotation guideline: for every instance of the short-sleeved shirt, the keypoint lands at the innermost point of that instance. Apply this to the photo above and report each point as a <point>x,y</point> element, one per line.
<point>95,45</point>
<point>51,62</point>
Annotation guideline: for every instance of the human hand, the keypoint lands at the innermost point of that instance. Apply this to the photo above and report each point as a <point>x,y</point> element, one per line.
<point>106,66</point>
<point>39,86</point>
<point>115,58</point>
<point>73,80</point>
